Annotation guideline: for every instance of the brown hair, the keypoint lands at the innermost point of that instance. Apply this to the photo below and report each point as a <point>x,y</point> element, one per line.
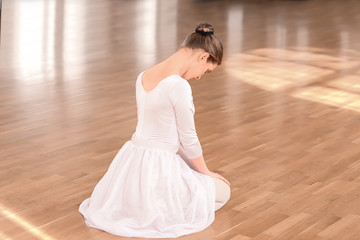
<point>205,39</point>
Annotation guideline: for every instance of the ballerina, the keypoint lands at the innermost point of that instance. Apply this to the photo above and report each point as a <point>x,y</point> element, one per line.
<point>158,184</point>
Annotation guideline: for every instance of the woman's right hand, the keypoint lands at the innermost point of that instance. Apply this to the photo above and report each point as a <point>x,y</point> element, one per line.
<point>200,166</point>
<point>216,175</point>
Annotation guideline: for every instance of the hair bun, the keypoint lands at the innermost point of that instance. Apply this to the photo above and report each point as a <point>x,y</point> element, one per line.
<point>204,29</point>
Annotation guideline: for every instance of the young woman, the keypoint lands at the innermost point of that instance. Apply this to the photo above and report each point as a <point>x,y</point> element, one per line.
<point>158,185</point>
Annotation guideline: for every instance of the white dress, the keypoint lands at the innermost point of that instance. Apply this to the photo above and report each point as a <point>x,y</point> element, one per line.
<point>149,190</point>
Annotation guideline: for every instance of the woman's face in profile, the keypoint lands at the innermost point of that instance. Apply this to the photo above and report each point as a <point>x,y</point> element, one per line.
<point>204,68</point>
<point>199,69</point>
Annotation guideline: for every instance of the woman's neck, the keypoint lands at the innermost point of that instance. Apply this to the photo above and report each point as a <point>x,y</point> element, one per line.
<point>179,62</point>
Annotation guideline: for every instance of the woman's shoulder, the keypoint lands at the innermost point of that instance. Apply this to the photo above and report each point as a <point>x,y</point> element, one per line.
<point>176,82</point>
<point>180,88</point>
<point>177,79</point>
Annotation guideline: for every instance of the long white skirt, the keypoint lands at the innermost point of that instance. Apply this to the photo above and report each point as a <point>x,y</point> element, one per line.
<point>151,193</point>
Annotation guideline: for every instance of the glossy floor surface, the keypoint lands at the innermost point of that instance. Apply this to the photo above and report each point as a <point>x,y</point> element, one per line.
<point>280,118</point>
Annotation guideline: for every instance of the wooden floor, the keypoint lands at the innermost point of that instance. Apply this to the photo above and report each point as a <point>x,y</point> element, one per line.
<point>280,118</point>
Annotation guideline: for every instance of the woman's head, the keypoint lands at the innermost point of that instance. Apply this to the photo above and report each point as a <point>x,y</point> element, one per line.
<point>204,39</point>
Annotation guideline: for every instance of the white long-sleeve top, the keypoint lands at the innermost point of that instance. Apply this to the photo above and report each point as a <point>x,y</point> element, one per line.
<point>166,115</point>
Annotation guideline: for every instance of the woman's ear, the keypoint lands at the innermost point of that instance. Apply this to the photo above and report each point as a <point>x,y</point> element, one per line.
<point>203,57</point>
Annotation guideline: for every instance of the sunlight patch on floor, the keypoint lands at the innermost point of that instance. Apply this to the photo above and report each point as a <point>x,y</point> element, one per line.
<point>316,59</point>
<point>347,83</point>
<point>333,97</point>
<point>4,237</point>
<point>24,224</point>
<point>273,75</point>
<point>313,76</point>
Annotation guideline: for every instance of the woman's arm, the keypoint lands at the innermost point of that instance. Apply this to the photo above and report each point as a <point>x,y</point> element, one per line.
<point>182,102</point>
<point>200,166</point>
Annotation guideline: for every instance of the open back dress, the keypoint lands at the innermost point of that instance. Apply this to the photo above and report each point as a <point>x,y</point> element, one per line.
<point>149,190</point>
